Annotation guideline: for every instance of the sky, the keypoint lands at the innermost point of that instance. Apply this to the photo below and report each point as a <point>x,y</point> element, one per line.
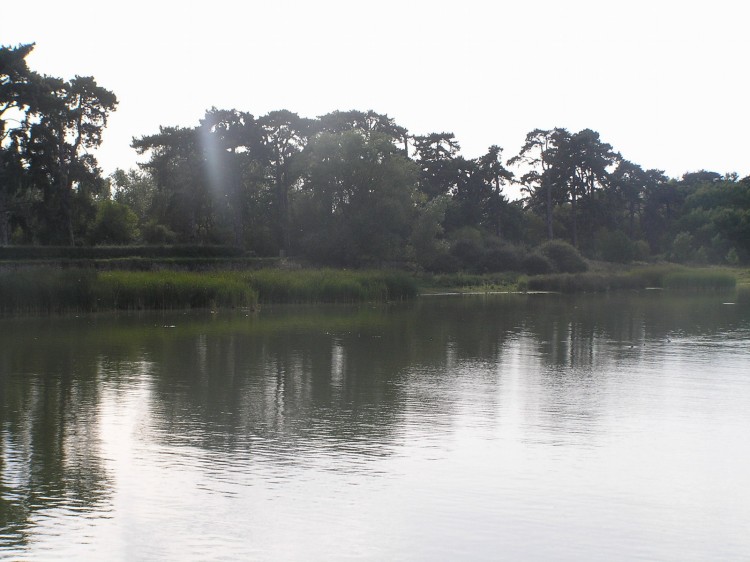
<point>665,83</point>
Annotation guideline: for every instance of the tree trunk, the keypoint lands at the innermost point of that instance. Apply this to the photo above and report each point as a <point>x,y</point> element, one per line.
<point>549,212</point>
<point>574,212</point>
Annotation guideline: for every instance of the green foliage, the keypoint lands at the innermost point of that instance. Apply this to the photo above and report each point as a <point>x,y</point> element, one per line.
<point>20,253</point>
<point>325,285</point>
<point>75,289</point>
<point>162,290</point>
<point>470,282</point>
<point>589,282</point>
<point>700,280</point>
<point>615,247</point>
<point>564,257</point>
<point>537,264</point>
<point>350,188</point>
<point>682,247</point>
<point>160,234</point>
<point>356,206</point>
<point>667,276</point>
<point>47,290</point>
<point>115,223</point>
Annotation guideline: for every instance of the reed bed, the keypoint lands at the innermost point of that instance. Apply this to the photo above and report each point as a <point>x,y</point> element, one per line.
<point>504,281</point>
<point>53,290</point>
<point>701,280</point>
<point>670,277</point>
<point>164,290</point>
<point>327,285</point>
<point>86,290</point>
<point>743,294</point>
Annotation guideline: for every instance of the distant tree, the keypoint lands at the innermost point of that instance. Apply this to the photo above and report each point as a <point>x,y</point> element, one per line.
<point>135,189</point>
<point>18,93</point>
<point>437,158</point>
<point>232,143</point>
<point>565,167</point>
<point>181,200</point>
<point>493,174</point>
<point>70,118</point>
<point>631,183</point>
<point>541,185</point>
<point>115,223</point>
<point>364,121</point>
<point>284,136</point>
<point>356,202</point>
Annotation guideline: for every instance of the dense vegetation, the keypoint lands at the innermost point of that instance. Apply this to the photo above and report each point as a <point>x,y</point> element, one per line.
<point>349,188</point>
<point>47,290</point>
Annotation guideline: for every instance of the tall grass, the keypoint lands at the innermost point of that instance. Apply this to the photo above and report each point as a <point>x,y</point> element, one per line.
<point>164,290</point>
<point>66,290</point>
<point>47,290</point>
<point>466,281</point>
<point>327,285</point>
<point>667,277</point>
<point>700,280</point>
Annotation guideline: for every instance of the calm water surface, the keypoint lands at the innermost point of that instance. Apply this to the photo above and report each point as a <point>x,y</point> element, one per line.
<point>534,427</point>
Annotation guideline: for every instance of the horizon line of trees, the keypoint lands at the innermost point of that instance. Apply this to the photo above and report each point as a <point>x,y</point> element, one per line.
<point>348,188</point>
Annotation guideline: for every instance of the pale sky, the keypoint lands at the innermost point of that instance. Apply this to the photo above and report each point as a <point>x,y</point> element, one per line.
<point>666,83</point>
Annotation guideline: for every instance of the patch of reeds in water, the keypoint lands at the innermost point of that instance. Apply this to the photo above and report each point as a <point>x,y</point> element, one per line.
<point>85,290</point>
<point>700,280</point>
<point>327,285</point>
<point>674,278</point>
<point>49,290</point>
<point>743,294</point>
<point>163,290</point>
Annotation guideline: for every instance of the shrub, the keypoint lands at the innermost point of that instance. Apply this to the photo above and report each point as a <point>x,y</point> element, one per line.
<point>682,247</point>
<point>564,257</point>
<point>115,223</point>
<point>536,264</point>
<point>615,247</point>
<point>443,262</point>
<point>502,258</point>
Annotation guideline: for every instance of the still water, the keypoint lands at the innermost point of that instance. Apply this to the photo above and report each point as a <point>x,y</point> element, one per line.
<point>504,427</point>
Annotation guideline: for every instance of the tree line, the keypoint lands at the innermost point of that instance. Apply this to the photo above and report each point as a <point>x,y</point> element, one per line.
<point>349,188</point>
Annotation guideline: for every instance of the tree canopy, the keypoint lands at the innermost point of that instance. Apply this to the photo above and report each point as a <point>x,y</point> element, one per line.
<point>349,188</point>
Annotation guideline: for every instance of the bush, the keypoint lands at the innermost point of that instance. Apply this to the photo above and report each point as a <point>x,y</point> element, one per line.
<point>682,247</point>
<point>115,224</point>
<point>537,264</point>
<point>564,257</point>
<point>616,247</point>
<point>502,258</point>
<point>443,262</point>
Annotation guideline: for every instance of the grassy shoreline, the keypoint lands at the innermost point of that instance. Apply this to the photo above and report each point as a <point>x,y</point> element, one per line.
<point>600,279</point>
<point>59,290</point>
<point>46,290</point>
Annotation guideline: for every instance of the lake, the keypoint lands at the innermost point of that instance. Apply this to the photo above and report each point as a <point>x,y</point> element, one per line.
<point>477,427</point>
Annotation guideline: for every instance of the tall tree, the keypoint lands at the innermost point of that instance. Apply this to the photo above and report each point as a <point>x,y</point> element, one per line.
<point>631,183</point>
<point>285,134</point>
<point>539,181</point>
<point>356,205</point>
<point>182,202</point>
<point>585,161</point>
<point>493,174</point>
<point>71,117</point>
<point>18,91</point>
<point>436,156</point>
<point>232,147</point>
<point>365,121</point>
